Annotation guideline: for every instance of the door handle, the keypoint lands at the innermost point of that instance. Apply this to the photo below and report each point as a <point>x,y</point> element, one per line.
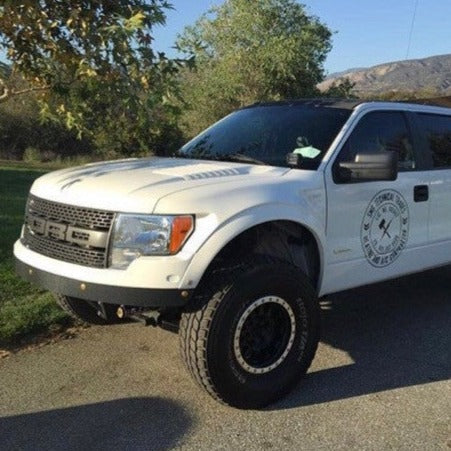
<point>420,193</point>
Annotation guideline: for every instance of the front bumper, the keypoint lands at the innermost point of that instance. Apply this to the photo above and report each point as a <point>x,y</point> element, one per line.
<point>113,294</point>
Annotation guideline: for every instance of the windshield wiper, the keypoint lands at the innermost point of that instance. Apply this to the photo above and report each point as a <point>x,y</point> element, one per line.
<point>240,158</point>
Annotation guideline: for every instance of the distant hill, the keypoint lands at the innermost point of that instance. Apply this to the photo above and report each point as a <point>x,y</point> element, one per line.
<point>428,74</point>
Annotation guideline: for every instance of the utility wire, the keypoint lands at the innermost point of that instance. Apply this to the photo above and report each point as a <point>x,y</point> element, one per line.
<point>411,28</point>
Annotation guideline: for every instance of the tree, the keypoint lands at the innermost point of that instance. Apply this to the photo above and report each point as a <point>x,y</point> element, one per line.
<point>92,66</point>
<point>342,88</point>
<point>250,51</point>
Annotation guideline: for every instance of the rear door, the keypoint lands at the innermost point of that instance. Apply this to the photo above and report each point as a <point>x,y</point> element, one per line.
<point>375,230</point>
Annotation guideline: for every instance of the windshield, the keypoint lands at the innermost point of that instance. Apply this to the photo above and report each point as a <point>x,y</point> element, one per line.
<point>266,134</point>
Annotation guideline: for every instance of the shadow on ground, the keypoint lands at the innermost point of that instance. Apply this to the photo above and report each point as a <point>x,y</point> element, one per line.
<point>133,423</point>
<point>397,333</point>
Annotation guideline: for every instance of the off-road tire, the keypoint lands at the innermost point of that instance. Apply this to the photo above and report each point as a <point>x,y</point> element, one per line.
<point>207,333</point>
<point>86,312</point>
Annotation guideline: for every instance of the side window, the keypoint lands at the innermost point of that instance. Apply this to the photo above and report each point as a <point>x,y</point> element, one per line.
<point>438,134</point>
<point>381,131</point>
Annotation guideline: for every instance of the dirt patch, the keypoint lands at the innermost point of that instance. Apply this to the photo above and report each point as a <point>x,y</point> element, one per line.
<point>41,340</point>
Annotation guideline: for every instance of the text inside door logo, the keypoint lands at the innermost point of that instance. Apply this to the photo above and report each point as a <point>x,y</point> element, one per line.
<point>385,228</point>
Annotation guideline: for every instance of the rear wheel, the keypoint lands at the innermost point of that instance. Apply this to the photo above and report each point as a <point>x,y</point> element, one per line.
<point>88,311</point>
<point>255,335</point>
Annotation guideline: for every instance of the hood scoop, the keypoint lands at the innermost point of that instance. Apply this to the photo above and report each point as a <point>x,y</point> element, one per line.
<point>202,171</point>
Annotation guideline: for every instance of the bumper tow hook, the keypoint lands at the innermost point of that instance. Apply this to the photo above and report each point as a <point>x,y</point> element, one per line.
<point>150,318</point>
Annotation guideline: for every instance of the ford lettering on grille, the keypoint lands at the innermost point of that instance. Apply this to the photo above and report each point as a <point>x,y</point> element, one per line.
<point>55,230</point>
<point>69,233</point>
<point>37,224</point>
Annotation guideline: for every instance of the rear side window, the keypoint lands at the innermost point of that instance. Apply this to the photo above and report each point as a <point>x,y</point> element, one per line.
<point>438,134</point>
<point>381,131</point>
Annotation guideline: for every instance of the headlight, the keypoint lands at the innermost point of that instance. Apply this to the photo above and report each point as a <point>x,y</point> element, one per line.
<point>136,235</point>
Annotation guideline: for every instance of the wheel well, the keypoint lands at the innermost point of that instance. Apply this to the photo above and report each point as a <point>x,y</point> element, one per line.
<point>284,240</point>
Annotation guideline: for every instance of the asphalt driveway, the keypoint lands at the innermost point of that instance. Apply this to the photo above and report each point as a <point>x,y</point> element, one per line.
<point>381,380</point>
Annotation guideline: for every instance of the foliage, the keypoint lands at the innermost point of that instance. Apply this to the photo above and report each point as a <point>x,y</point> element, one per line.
<point>21,128</point>
<point>342,88</point>
<point>426,93</point>
<point>250,51</point>
<point>93,68</point>
<point>31,155</point>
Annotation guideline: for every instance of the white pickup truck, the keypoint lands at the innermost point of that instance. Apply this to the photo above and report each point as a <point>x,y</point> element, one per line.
<point>233,239</point>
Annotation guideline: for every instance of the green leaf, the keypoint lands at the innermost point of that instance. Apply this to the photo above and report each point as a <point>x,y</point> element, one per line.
<point>136,21</point>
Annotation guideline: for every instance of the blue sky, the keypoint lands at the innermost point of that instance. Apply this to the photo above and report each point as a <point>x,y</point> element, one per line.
<point>368,32</point>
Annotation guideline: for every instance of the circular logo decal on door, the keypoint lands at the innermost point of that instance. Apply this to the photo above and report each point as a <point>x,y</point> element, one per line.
<point>385,228</point>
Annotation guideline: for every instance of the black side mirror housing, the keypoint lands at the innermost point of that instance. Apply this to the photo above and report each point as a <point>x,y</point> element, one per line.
<point>369,167</point>
<point>294,160</point>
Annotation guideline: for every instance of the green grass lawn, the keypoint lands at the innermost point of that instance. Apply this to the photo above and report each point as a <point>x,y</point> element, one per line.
<point>24,309</point>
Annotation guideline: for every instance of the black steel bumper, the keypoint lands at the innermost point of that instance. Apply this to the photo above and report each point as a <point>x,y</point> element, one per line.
<point>140,297</point>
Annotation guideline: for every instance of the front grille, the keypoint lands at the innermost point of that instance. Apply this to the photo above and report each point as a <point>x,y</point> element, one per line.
<point>62,251</point>
<point>68,233</point>
<point>69,214</point>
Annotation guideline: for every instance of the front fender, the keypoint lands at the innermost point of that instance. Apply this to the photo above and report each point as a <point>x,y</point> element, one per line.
<point>243,221</point>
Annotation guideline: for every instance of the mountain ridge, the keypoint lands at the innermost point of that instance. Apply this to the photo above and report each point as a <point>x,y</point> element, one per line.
<point>431,74</point>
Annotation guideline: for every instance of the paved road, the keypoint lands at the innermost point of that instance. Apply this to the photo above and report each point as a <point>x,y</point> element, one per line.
<point>381,380</point>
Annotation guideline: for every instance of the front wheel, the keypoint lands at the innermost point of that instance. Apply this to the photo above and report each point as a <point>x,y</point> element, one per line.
<point>88,311</point>
<point>255,335</point>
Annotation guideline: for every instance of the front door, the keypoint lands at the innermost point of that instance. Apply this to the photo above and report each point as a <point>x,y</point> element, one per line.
<point>437,134</point>
<point>375,230</point>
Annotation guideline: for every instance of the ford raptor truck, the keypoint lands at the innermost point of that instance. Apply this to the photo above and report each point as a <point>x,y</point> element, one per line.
<point>233,239</point>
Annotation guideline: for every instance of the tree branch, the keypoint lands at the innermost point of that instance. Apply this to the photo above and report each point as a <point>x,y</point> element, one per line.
<point>7,93</point>
<point>33,89</point>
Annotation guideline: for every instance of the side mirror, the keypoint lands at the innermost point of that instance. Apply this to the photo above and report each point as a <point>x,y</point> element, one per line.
<point>294,160</point>
<point>369,167</point>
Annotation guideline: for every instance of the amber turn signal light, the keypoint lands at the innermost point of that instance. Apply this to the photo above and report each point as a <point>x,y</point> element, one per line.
<point>182,226</point>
